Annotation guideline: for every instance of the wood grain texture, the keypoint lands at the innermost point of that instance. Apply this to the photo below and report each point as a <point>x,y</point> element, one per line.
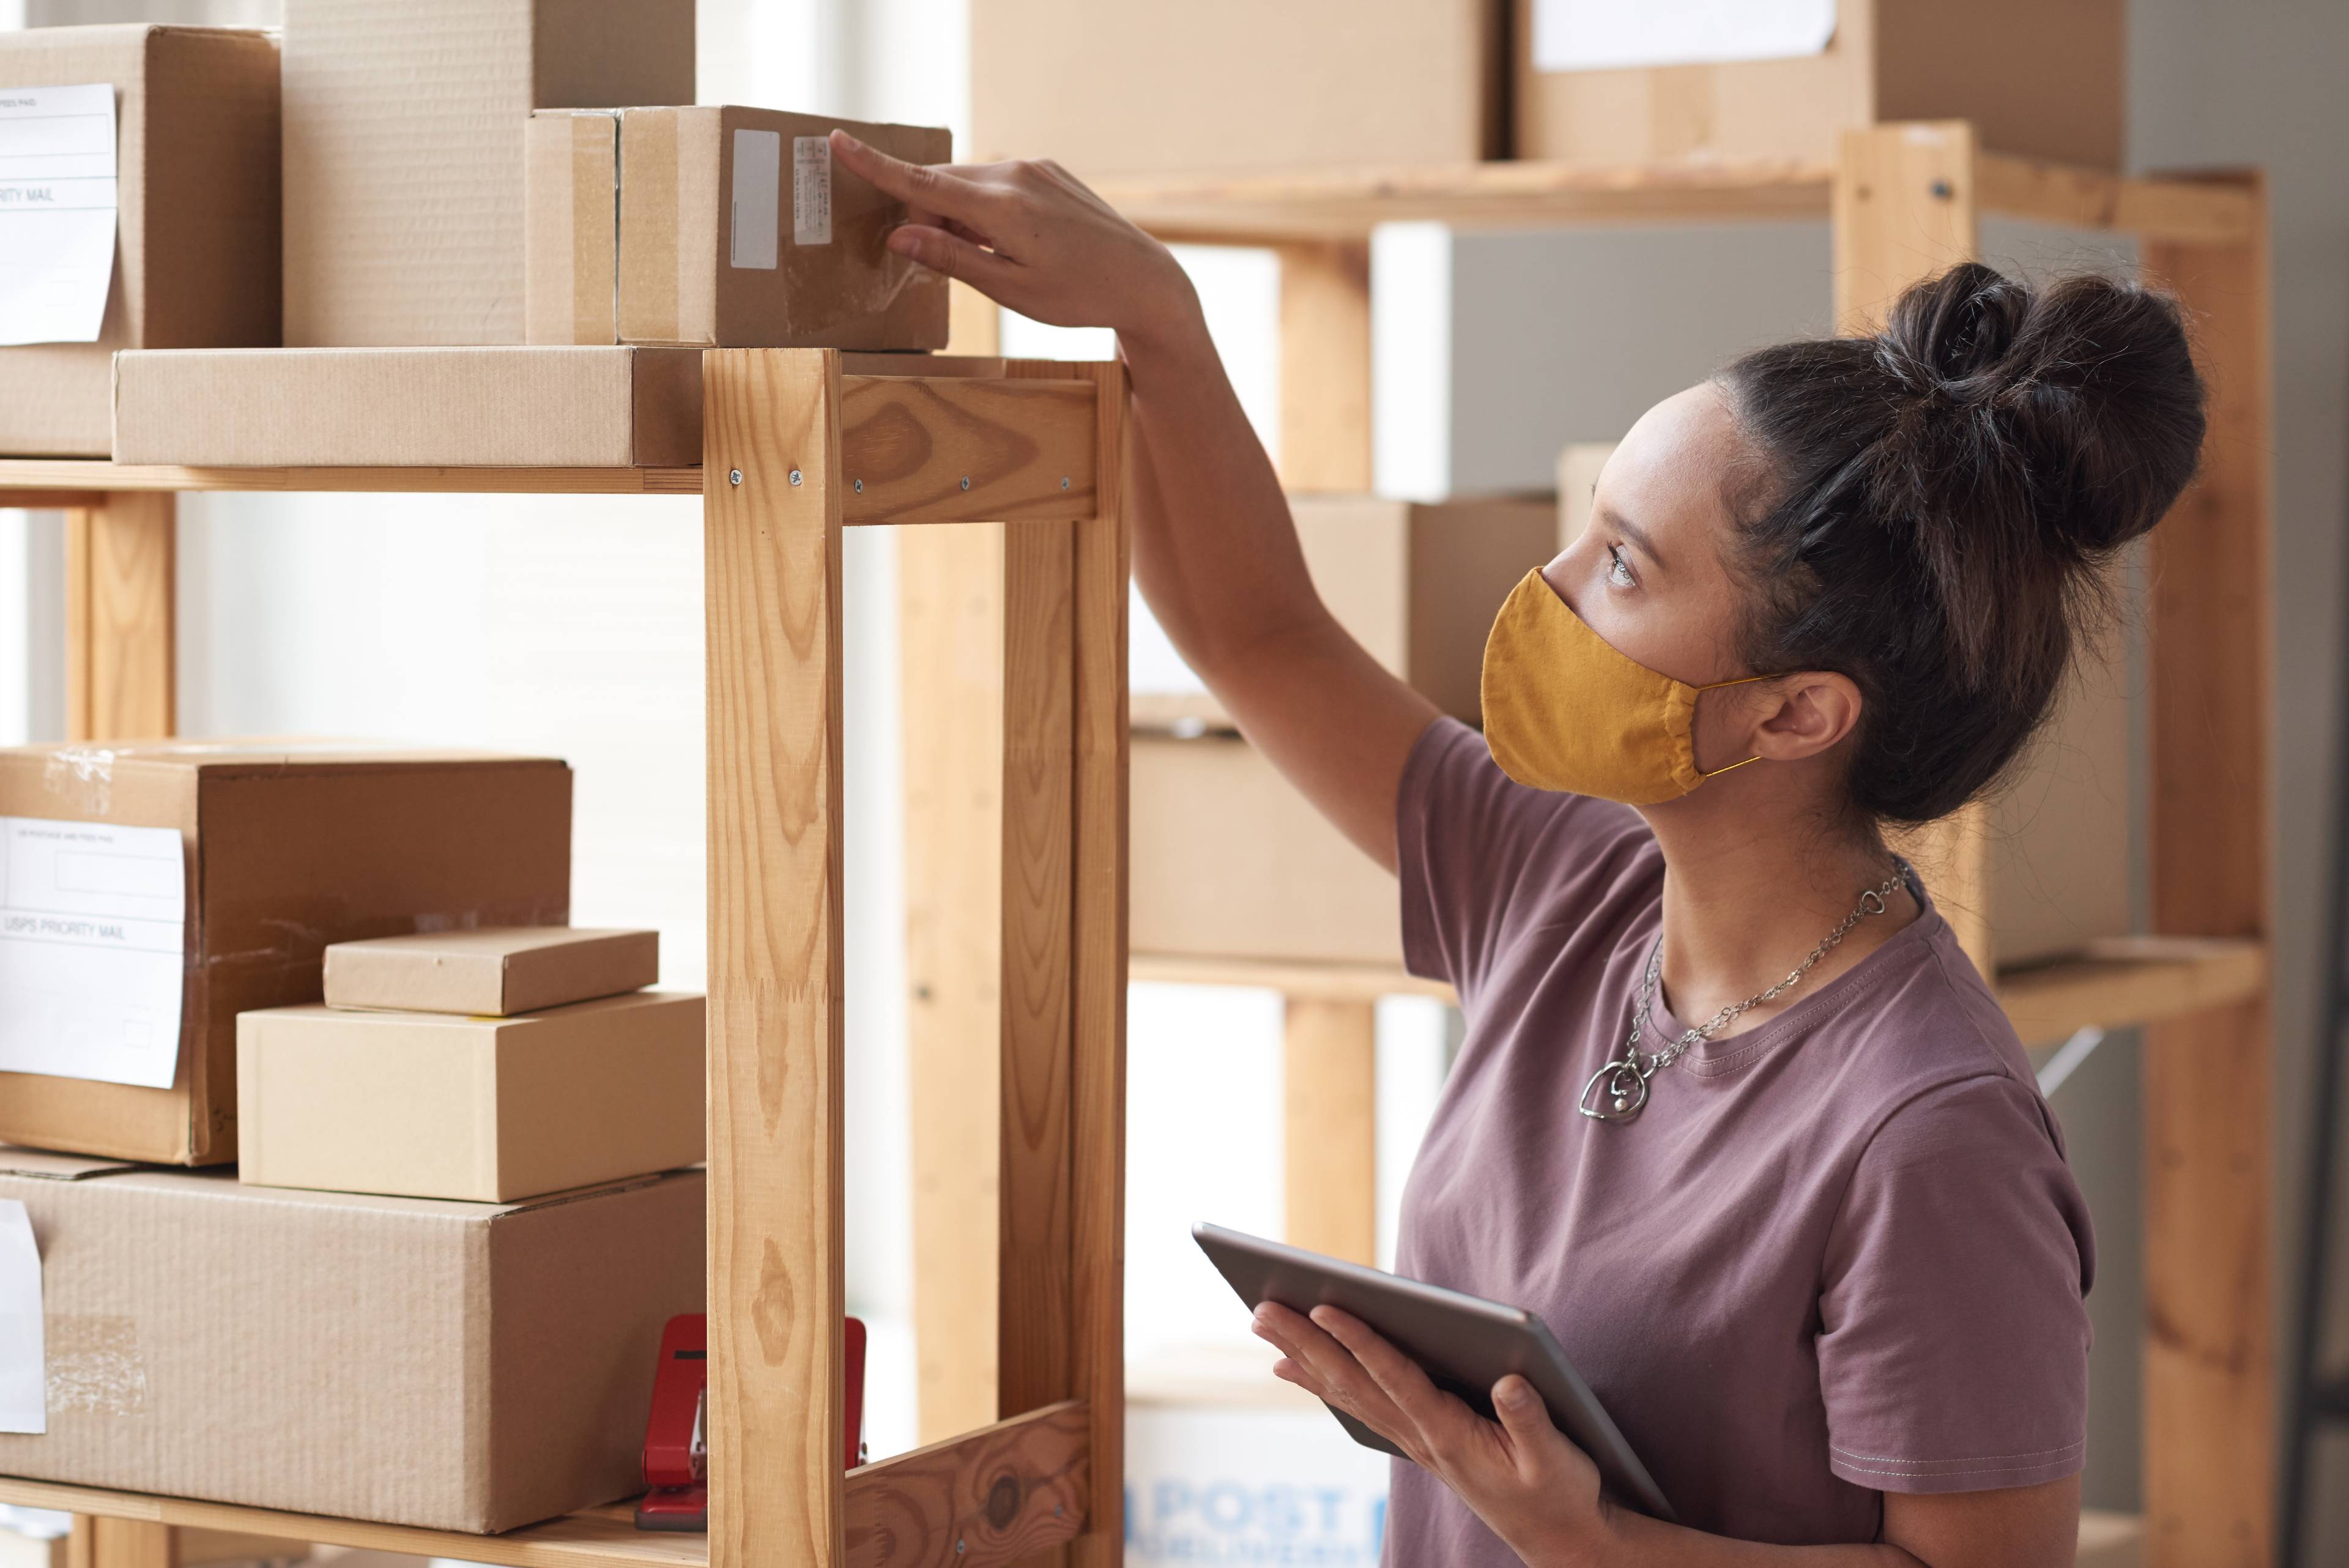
<point>940,451</point>
<point>1330,1124</point>
<point>1325,367</point>
<point>950,655</point>
<point>98,1541</point>
<point>1098,942</point>
<point>2175,211</point>
<point>771,565</point>
<point>999,1495</point>
<point>2209,1457</point>
<point>1903,209</point>
<point>121,585</point>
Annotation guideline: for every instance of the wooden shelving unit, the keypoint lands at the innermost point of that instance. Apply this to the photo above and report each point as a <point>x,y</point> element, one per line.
<point>1902,201</point>
<point>797,444</point>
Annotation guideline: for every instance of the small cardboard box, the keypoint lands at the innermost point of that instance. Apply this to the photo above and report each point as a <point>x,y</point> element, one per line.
<point>734,230</point>
<point>2037,80</point>
<point>431,1104</point>
<point>1231,861</point>
<point>196,185</point>
<point>492,973</point>
<point>404,124</point>
<point>288,847</point>
<point>401,408</point>
<point>1417,584</point>
<point>1225,84</point>
<point>446,1365</point>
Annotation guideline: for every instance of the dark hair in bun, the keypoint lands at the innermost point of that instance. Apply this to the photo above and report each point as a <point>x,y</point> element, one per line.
<point>1937,504</point>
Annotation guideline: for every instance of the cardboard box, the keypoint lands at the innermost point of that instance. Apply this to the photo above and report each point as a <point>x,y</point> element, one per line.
<point>1230,861</point>
<point>1417,584</point>
<point>734,230</point>
<point>404,123</point>
<point>2041,80</point>
<point>289,847</point>
<point>449,1365</point>
<point>196,181</point>
<point>2059,831</point>
<point>399,408</point>
<point>1137,88</point>
<point>431,1104</point>
<point>492,972</point>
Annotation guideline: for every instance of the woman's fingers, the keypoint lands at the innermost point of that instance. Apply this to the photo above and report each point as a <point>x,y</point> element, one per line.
<point>921,186</point>
<point>1402,1377</point>
<point>952,255</point>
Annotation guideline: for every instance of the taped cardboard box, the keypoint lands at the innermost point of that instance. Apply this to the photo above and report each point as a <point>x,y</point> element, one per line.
<point>196,189</point>
<point>447,1366</point>
<point>1829,66</point>
<point>1230,861</point>
<point>403,127</point>
<point>431,1105</point>
<point>285,847</point>
<point>400,408</point>
<point>492,972</point>
<point>1417,584</point>
<point>1134,87</point>
<point>734,229</point>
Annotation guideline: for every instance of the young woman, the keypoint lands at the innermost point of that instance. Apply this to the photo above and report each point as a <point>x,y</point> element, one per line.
<point>1734,1113</point>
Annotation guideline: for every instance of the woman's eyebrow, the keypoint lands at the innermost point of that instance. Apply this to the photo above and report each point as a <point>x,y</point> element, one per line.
<point>1631,531</point>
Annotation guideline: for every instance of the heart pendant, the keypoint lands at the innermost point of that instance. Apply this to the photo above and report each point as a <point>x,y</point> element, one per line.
<point>1616,1093</point>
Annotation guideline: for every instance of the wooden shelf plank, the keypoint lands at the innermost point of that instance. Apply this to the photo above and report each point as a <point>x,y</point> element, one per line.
<point>1346,204</point>
<point>27,482</point>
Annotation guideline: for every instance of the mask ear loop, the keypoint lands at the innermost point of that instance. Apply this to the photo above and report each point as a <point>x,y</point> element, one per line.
<point>1715,685</point>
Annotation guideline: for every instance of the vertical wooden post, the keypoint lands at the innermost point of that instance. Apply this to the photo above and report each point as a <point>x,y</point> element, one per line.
<point>772,562</point>
<point>1904,208</point>
<point>2209,1459</point>
<point>1325,365</point>
<point>119,580</point>
<point>1098,971</point>
<point>1329,1127</point>
<point>101,1543</point>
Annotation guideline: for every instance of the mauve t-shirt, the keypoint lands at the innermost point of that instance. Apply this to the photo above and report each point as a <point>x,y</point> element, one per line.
<point>1837,1255</point>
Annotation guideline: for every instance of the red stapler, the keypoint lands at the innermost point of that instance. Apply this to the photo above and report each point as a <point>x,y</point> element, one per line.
<point>677,1452</point>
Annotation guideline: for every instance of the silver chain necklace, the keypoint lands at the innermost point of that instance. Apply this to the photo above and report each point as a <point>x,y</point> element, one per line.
<point>1617,1092</point>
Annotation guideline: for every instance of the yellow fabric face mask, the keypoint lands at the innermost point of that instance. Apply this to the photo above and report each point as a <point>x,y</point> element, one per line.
<point>1565,712</point>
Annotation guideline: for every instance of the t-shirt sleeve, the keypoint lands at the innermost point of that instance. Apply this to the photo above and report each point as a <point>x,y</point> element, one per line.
<point>1953,1339</point>
<point>1483,858</point>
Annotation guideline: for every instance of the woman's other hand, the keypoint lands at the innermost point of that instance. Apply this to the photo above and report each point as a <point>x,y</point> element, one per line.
<point>1537,1491</point>
<point>1029,235</point>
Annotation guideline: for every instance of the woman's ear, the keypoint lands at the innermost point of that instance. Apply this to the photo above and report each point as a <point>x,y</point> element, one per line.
<point>1804,715</point>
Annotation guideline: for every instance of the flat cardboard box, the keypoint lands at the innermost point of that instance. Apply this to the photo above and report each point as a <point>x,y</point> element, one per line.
<point>2058,96</point>
<point>1237,84</point>
<point>290,845</point>
<point>2059,829</point>
<point>431,1104</point>
<point>490,973</point>
<point>447,1366</point>
<point>401,408</point>
<point>1230,861</point>
<point>1417,584</point>
<point>196,161</point>
<point>404,124</point>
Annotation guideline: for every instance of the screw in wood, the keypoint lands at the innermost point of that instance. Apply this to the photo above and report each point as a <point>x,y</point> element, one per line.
<point>795,476</point>
<point>965,481</point>
<point>860,487</point>
<point>957,1546</point>
<point>1065,481</point>
<point>733,476</point>
<point>1940,189</point>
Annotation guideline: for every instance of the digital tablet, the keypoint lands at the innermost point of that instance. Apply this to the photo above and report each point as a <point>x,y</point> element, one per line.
<point>1465,1343</point>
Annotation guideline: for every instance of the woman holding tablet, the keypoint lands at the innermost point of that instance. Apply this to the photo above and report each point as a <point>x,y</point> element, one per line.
<point>1734,1114</point>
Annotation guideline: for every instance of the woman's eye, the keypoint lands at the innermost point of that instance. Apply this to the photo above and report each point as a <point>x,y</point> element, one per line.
<point>1618,570</point>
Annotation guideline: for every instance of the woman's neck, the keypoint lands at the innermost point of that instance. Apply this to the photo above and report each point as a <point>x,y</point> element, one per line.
<point>1748,894</point>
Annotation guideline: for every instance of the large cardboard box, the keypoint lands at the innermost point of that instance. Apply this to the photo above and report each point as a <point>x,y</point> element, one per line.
<point>734,230</point>
<point>404,125</point>
<point>288,847</point>
<point>1230,861</point>
<point>490,973</point>
<point>196,233</point>
<point>1135,87</point>
<point>433,1104</point>
<point>2040,80</point>
<point>1416,583</point>
<point>450,1365</point>
<point>399,408</point>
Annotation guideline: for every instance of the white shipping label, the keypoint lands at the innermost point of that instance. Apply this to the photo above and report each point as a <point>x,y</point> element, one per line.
<point>811,191</point>
<point>93,927</point>
<point>24,1350</point>
<point>757,198</point>
<point>1611,34</point>
<point>56,212</point>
